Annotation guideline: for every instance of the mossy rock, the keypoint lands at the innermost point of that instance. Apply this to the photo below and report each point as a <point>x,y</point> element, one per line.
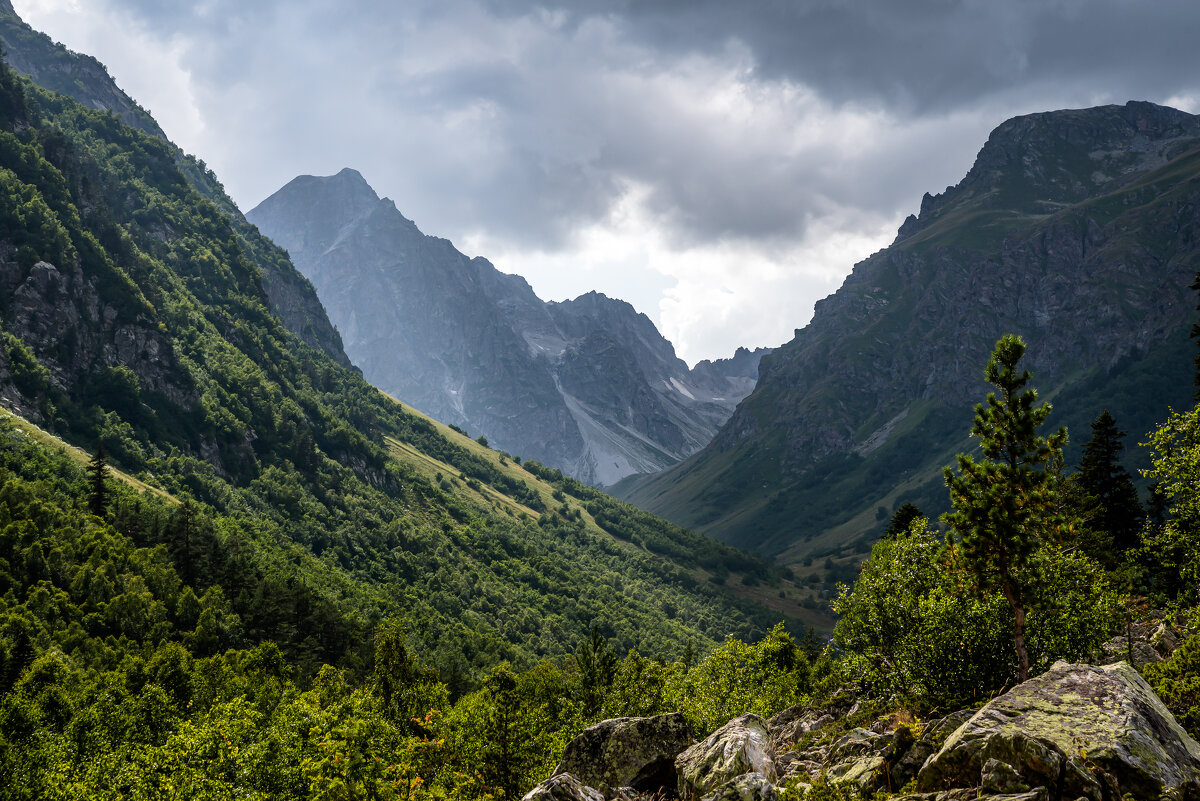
<point>1093,731</point>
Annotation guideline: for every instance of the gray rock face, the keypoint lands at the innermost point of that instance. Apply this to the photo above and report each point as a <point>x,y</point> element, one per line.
<point>1094,732</point>
<point>860,757</point>
<point>49,306</point>
<point>289,295</point>
<point>739,747</point>
<point>588,386</point>
<point>1074,229</point>
<point>747,787</point>
<point>628,752</point>
<point>563,787</point>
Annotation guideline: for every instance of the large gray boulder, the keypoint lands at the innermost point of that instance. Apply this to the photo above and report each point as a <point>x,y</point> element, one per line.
<point>628,752</point>
<point>747,787</point>
<point>860,757</point>
<point>933,735</point>
<point>1080,730</point>
<point>563,787</point>
<point>740,746</point>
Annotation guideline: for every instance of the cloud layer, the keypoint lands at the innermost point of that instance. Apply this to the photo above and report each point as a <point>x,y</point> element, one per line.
<point>720,165</point>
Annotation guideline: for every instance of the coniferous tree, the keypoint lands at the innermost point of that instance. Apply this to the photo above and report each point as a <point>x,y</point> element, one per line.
<point>900,521</point>
<point>811,645</point>
<point>97,470</point>
<point>1102,476</point>
<point>1196,336</point>
<point>1004,505</point>
<point>597,667</point>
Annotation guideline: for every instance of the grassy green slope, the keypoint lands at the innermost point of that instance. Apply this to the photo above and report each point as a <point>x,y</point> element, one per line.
<point>328,487</point>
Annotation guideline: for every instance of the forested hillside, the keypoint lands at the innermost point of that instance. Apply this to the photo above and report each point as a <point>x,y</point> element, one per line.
<point>300,511</point>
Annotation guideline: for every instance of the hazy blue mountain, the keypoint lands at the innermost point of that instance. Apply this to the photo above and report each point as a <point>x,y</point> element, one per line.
<point>588,385</point>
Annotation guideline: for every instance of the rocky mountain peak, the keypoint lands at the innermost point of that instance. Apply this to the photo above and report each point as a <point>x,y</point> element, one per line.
<point>1074,229</point>
<point>587,385</point>
<point>1036,164</point>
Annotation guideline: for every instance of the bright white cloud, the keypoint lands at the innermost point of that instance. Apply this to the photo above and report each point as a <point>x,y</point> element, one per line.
<point>150,69</point>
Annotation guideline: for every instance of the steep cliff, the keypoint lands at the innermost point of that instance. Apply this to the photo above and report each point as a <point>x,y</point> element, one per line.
<point>1075,229</point>
<point>82,77</point>
<point>588,385</point>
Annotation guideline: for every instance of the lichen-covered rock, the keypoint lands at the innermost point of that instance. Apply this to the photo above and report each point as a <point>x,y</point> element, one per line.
<point>793,723</point>
<point>933,734</point>
<point>1121,649</point>
<point>747,787</point>
<point>740,746</point>
<point>628,752</point>
<point>860,757</point>
<point>973,794</point>
<point>563,787</point>
<point>1094,732</point>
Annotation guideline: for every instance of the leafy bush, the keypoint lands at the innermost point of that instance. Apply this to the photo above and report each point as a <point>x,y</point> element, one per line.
<point>1177,682</point>
<point>914,630</point>
<point>764,678</point>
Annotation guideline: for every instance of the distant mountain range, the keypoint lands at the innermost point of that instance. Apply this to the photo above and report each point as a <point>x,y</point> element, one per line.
<point>1078,230</point>
<point>588,386</point>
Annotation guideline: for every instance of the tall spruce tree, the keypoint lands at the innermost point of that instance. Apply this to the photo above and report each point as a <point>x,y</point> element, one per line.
<point>1004,506</point>
<point>1102,476</point>
<point>1196,336</point>
<point>901,520</point>
<point>98,495</point>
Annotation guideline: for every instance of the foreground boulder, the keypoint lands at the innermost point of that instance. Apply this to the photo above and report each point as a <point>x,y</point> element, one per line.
<point>747,787</point>
<point>1077,731</point>
<point>628,752</point>
<point>562,787</point>
<point>739,747</point>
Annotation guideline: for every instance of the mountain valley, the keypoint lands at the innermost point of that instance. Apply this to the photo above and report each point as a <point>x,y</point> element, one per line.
<point>302,503</point>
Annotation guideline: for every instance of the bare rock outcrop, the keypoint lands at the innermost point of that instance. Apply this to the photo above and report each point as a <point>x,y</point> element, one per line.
<point>638,753</point>
<point>1079,731</point>
<point>739,747</point>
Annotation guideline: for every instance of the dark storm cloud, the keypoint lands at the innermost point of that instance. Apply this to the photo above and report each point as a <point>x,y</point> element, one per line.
<point>544,114</point>
<point>928,55</point>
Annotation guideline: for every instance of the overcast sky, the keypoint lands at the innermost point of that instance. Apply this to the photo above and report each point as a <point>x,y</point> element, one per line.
<point>721,165</point>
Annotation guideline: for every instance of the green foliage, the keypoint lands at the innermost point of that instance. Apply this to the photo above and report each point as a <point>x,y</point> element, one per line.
<point>98,483</point>
<point>1171,551</point>
<point>1176,680</point>
<point>900,521</point>
<point>1004,506</point>
<point>764,678</point>
<point>914,630</point>
<point>1102,476</point>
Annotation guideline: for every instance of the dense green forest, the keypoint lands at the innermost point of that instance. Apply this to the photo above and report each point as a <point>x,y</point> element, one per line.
<point>294,516</point>
<point>120,679</point>
<point>272,581</point>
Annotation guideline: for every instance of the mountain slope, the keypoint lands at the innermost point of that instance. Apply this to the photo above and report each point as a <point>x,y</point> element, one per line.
<point>134,316</point>
<point>588,385</point>
<point>82,77</point>
<point>1075,229</point>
